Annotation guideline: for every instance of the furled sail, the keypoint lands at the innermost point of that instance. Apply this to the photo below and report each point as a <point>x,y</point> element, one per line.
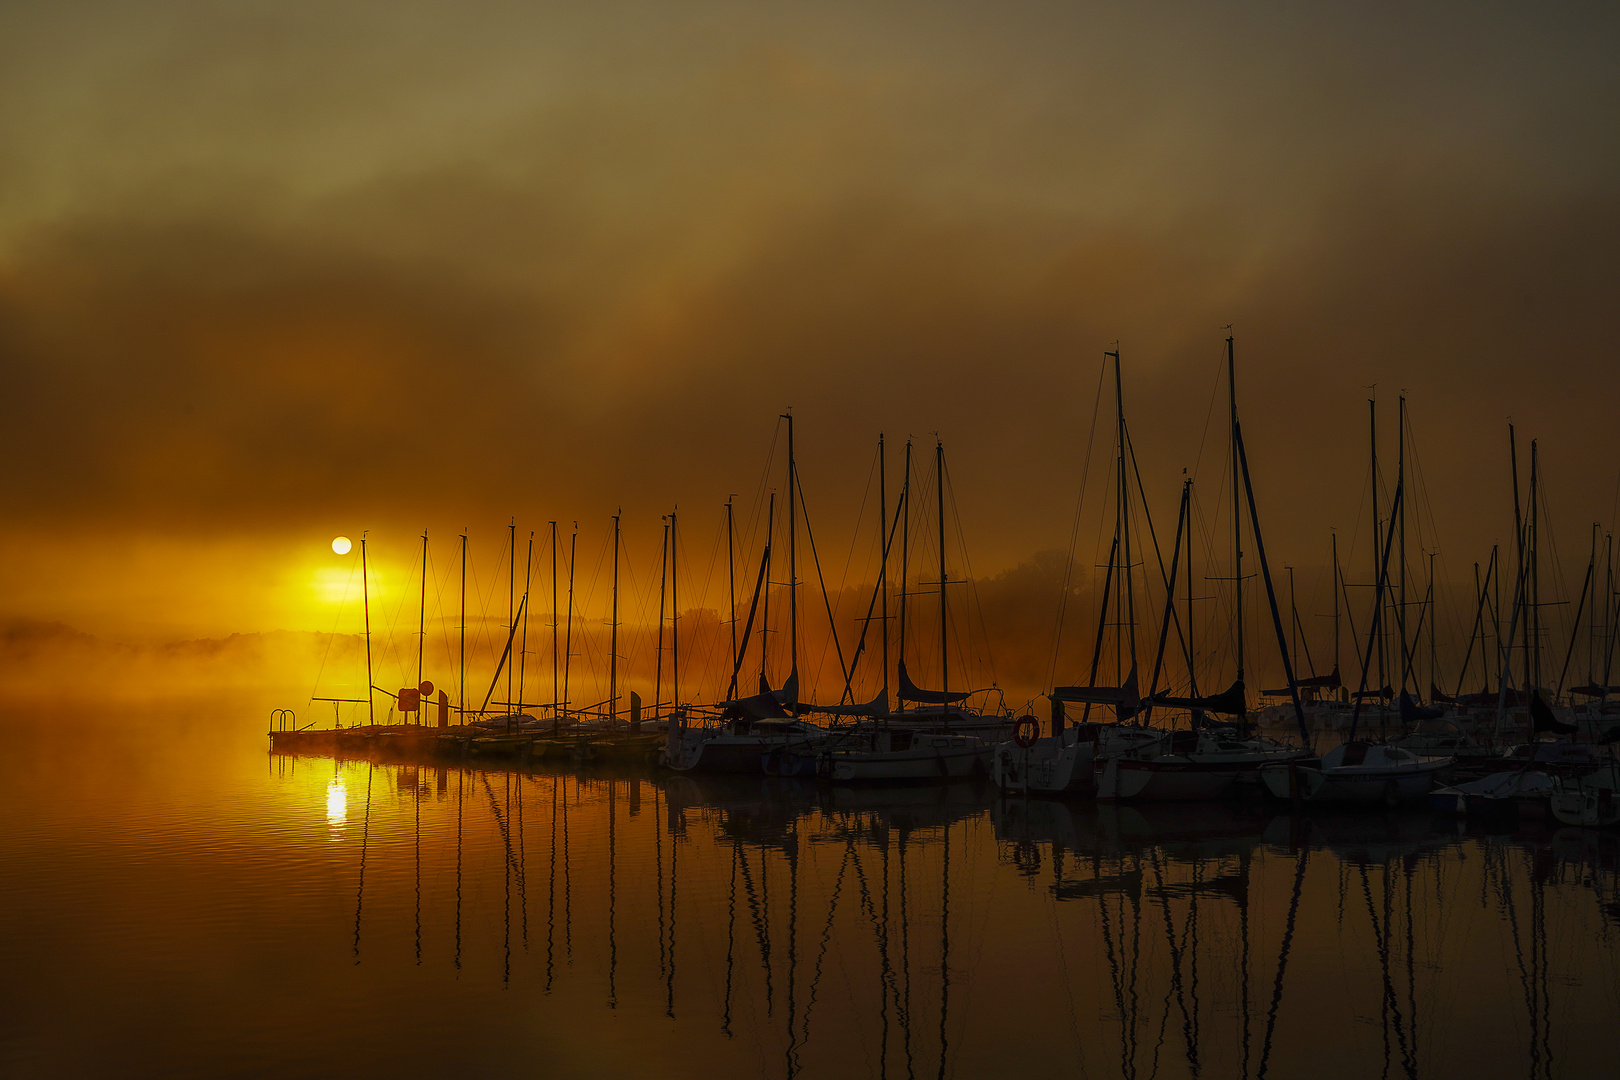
<point>1315,682</point>
<point>1383,694</point>
<point>1127,700</point>
<point>910,691</point>
<point>1590,690</point>
<point>1230,702</point>
<point>1412,712</point>
<point>1441,699</point>
<point>1321,682</point>
<point>759,707</point>
<point>876,707</point>
<point>789,692</point>
<point>1543,719</point>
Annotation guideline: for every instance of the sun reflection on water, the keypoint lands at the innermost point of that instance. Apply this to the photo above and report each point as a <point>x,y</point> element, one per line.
<point>337,806</point>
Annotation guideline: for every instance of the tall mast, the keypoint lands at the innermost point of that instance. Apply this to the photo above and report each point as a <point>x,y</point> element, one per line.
<point>1378,531</point>
<point>1592,624</point>
<point>1479,628</point>
<point>568,633</point>
<point>1126,623</point>
<point>511,600</point>
<point>523,651</point>
<point>905,549</point>
<point>1400,474</point>
<point>674,616</point>
<point>1336,587</point>
<point>1608,605</point>
<point>944,626</point>
<point>1432,680</point>
<point>556,666</point>
<point>365,593</point>
<point>765,615</point>
<point>1532,615</point>
<point>421,616</point>
<point>731,590</point>
<point>1192,675</point>
<point>1519,539</point>
<point>461,706</point>
<point>663,578</point>
<point>793,567</point>
<point>1237,512</point>
<point>613,632</point>
<point>1496,611</point>
<point>883,568</point>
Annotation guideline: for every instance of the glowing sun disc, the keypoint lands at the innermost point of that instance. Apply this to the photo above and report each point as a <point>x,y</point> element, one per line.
<point>341,545</point>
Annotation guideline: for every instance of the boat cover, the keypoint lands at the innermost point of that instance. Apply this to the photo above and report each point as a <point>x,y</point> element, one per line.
<point>876,707</point>
<point>910,691</point>
<point>1230,702</point>
<point>1412,712</point>
<point>1543,719</point>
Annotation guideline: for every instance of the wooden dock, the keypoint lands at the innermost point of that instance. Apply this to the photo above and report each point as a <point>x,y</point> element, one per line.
<point>421,744</point>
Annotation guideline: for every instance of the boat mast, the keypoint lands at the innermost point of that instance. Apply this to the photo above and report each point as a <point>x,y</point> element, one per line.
<point>944,663</point>
<point>1400,596</point>
<point>1609,604</point>
<point>1336,586</point>
<point>1592,625</point>
<point>765,614</point>
<point>663,578</point>
<point>1519,539</point>
<point>905,548</point>
<point>1126,622</point>
<point>1192,677</point>
<point>568,632</point>
<point>1532,615</point>
<point>613,632</point>
<point>1495,585</point>
<point>731,590</point>
<point>674,615</point>
<point>1378,529</point>
<point>793,569</point>
<point>1237,512</point>
<point>421,617</point>
<point>883,568</point>
<point>365,593</point>
<point>523,650</point>
<point>461,710</point>
<point>1433,681</point>
<point>511,599</point>
<point>556,670</point>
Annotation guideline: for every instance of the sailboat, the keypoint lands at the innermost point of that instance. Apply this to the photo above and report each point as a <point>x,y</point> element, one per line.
<point>925,743</point>
<point>1208,760</point>
<point>1590,801</point>
<point>760,731</point>
<point>1356,770</point>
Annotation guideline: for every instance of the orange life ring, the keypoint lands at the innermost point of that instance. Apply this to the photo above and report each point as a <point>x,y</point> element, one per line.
<point>1026,724</point>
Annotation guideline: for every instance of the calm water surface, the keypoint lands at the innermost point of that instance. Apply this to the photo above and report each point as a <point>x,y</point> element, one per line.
<point>178,902</point>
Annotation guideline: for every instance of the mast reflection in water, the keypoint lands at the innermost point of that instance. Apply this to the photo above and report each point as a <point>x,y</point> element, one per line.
<point>395,920</point>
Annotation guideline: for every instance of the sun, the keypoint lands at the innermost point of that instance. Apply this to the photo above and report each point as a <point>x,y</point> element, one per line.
<point>341,545</point>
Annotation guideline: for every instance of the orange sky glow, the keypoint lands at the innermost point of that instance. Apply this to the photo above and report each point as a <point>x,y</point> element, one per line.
<point>270,274</point>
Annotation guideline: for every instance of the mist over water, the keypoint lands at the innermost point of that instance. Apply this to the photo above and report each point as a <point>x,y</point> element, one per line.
<point>183,903</point>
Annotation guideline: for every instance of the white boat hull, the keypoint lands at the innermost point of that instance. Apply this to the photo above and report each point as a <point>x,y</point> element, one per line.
<point>1044,770</point>
<point>1351,784</point>
<point>928,758</point>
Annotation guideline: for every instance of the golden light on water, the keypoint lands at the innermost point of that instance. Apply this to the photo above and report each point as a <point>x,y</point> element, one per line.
<point>337,806</point>
<point>341,545</point>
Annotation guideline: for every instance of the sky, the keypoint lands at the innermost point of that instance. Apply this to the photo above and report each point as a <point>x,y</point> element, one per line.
<point>270,273</point>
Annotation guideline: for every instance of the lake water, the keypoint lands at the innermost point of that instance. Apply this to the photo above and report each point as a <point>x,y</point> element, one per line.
<point>179,902</point>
